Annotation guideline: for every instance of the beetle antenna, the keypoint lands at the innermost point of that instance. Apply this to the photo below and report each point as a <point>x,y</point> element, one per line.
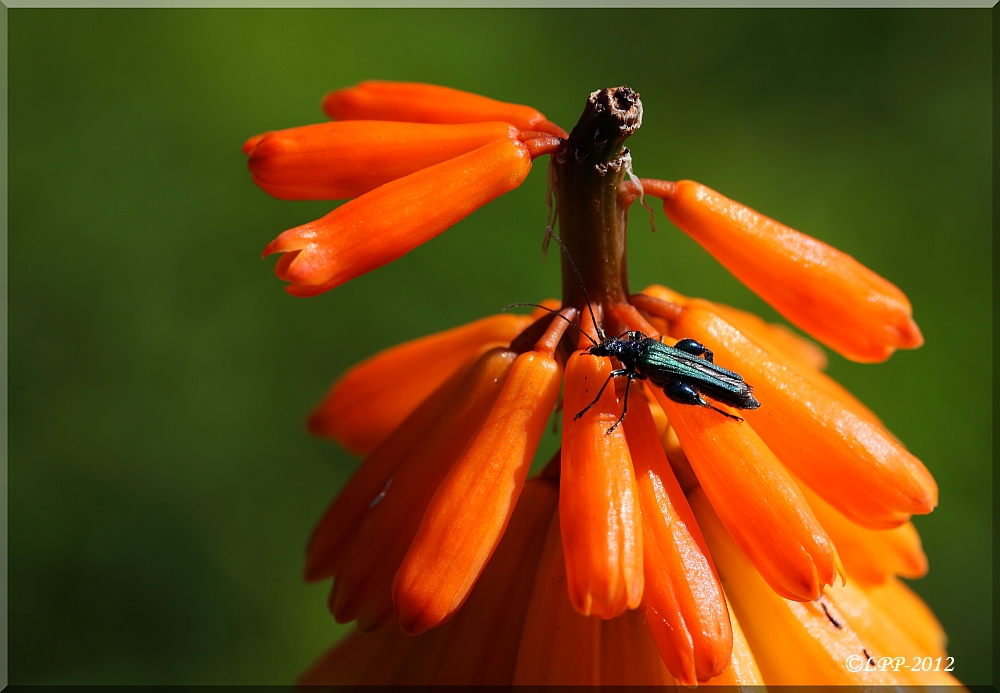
<point>549,233</point>
<point>552,202</point>
<point>555,313</point>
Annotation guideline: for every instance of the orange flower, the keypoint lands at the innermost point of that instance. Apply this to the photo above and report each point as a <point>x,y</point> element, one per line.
<point>758,501</point>
<point>894,599</point>
<point>469,512</point>
<point>449,154</point>
<point>825,642</point>
<point>871,556</point>
<point>826,292</point>
<point>413,102</point>
<point>727,526</point>
<point>372,399</point>
<point>598,498</point>
<point>334,161</point>
<point>391,220</point>
<point>848,459</point>
<point>480,644</point>
<point>683,602</point>
<point>381,532</point>
<point>519,626</point>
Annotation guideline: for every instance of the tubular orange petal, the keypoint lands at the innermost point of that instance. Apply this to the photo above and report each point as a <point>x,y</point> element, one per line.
<point>787,341</point>
<point>601,527</point>
<point>549,341</point>
<point>478,646</point>
<point>665,294</point>
<point>656,411</point>
<point>901,604</point>
<point>849,460</point>
<point>886,638</point>
<point>390,221</point>
<point>628,654</point>
<point>803,353</point>
<point>783,350</point>
<point>428,103</point>
<point>342,519</point>
<point>541,329</point>
<point>253,142</point>
<point>825,292</point>
<point>550,303</point>
<point>362,588</point>
<point>558,645</point>
<point>870,555</point>
<point>335,161</point>
<point>794,643</point>
<point>678,460</point>
<point>742,671</point>
<point>627,314</point>
<point>540,146</point>
<point>484,636</point>
<point>470,510</point>
<point>757,500</point>
<point>373,398</point>
<point>682,600</point>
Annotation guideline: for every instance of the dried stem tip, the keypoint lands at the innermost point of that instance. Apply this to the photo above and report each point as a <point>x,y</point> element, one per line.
<point>611,115</point>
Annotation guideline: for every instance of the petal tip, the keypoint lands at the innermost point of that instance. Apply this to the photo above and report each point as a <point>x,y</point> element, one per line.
<point>910,336</point>
<point>412,624</point>
<point>319,424</point>
<point>252,143</point>
<point>551,128</point>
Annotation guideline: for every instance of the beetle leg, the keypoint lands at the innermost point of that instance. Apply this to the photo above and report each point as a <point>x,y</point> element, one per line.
<point>613,374</point>
<point>624,404</point>
<point>695,348</point>
<point>683,393</point>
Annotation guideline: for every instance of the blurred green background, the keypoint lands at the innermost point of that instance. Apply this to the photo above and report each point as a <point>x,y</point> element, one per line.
<point>161,483</point>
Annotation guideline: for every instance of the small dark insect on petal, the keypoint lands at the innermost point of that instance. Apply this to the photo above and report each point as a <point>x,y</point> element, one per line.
<point>834,621</point>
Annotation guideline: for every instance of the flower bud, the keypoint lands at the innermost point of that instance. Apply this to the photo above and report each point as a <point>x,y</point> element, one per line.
<point>598,499</point>
<point>390,221</point>
<point>388,520</point>
<point>429,103</point>
<point>335,161</point>
<point>794,643</point>
<point>756,499</point>
<point>682,600</point>
<point>558,644</point>
<point>844,456</point>
<point>469,512</point>
<point>827,293</point>
<point>374,397</point>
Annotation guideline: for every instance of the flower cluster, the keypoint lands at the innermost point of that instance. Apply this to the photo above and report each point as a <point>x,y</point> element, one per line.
<point>730,534</point>
<point>416,158</point>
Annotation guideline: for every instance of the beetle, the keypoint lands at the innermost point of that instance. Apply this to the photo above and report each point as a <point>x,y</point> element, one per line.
<point>685,371</point>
